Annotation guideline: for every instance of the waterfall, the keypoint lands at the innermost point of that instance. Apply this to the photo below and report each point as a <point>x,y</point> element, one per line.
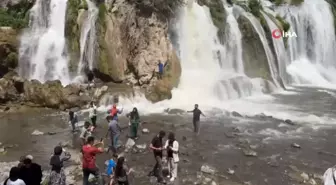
<point>312,53</point>
<point>88,39</point>
<point>262,36</point>
<point>42,47</point>
<point>279,48</point>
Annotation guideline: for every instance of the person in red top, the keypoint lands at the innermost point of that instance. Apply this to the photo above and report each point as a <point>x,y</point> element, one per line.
<point>89,160</point>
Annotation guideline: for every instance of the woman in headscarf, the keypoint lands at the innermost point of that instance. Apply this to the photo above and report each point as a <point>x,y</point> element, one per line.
<point>134,122</point>
<point>57,175</point>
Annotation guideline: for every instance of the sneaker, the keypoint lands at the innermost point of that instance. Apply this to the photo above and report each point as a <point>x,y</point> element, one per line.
<point>172,179</point>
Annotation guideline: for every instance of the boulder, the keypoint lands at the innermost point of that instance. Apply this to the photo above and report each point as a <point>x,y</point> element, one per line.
<point>8,50</point>
<point>8,91</point>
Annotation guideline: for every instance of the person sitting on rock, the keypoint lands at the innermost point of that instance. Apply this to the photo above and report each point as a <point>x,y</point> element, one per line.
<point>73,120</point>
<point>57,175</point>
<point>14,179</point>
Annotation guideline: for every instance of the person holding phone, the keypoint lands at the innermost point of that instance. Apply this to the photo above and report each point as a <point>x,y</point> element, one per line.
<point>90,150</point>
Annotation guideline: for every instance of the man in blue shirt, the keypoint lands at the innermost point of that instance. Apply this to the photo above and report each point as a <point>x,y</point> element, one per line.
<point>161,66</point>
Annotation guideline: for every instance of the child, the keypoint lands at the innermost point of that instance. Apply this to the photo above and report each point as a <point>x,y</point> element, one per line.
<point>109,170</point>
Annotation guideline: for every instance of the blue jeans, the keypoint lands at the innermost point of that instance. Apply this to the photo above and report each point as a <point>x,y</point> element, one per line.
<point>114,143</point>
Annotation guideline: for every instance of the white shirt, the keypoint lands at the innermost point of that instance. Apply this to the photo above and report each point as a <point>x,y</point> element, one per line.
<point>175,148</point>
<point>17,182</point>
<point>92,111</point>
<point>328,176</point>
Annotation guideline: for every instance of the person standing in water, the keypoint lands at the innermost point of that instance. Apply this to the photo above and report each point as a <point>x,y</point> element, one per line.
<point>134,123</point>
<point>89,160</point>
<point>85,132</point>
<point>172,147</point>
<point>73,120</point>
<point>114,131</point>
<point>157,147</point>
<point>93,114</point>
<point>196,118</point>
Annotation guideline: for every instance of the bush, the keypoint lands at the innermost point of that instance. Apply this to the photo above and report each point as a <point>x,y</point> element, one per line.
<point>284,23</point>
<point>255,7</point>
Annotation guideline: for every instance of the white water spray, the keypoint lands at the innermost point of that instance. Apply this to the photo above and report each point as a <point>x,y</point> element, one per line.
<point>88,39</point>
<point>42,46</point>
<point>312,53</point>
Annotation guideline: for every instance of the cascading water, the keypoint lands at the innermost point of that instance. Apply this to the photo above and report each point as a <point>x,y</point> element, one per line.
<point>88,39</point>
<point>42,46</point>
<point>211,72</point>
<point>270,58</point>
<point>279,48</point>
<point>312,53</point>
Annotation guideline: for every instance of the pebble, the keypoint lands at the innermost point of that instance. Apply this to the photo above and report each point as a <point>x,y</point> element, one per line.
<point>295,145</point>
<point>208,169</point>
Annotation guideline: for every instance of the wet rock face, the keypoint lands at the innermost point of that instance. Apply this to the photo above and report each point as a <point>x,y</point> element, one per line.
<point>8,50</point>
<point>254,56</point>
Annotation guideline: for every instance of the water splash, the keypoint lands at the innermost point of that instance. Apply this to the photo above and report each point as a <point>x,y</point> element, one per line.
<point>41,53</point>
<point>88,39</point>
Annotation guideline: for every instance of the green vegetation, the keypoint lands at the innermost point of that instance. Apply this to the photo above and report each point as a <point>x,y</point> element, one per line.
<point>101,31</point>
<point>255,7</point>
<point>16,16</point>
<point>285,25</point>
<point>72,31</point>
<point>296,2</point>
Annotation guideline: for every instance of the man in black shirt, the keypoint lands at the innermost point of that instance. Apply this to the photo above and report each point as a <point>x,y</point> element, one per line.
<point>157,147</point>
<point>196,118</point>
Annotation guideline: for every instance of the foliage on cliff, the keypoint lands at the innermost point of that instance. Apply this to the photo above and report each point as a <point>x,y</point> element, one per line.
<point>72,31</point>
<point>16,16</point>
<point>291,2</point>
<point>333,9</point>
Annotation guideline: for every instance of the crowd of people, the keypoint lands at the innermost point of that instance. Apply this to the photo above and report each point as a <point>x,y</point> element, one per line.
<point>29,173</point>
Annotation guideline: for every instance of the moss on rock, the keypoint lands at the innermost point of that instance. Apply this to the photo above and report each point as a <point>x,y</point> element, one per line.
<point>254,56</point>
<point>255,7</point>
<point>72,32</point>
<point>16,16</point>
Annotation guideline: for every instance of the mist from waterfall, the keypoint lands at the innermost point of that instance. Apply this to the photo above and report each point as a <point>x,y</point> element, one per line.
<point>88,39</point>
<point>42,45</point>
<point>312,53</point>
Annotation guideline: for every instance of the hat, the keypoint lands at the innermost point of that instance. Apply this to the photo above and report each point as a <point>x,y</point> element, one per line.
<point>29,157</point>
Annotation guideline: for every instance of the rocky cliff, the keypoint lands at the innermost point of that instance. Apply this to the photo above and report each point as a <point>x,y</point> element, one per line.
<point>131,42</point>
